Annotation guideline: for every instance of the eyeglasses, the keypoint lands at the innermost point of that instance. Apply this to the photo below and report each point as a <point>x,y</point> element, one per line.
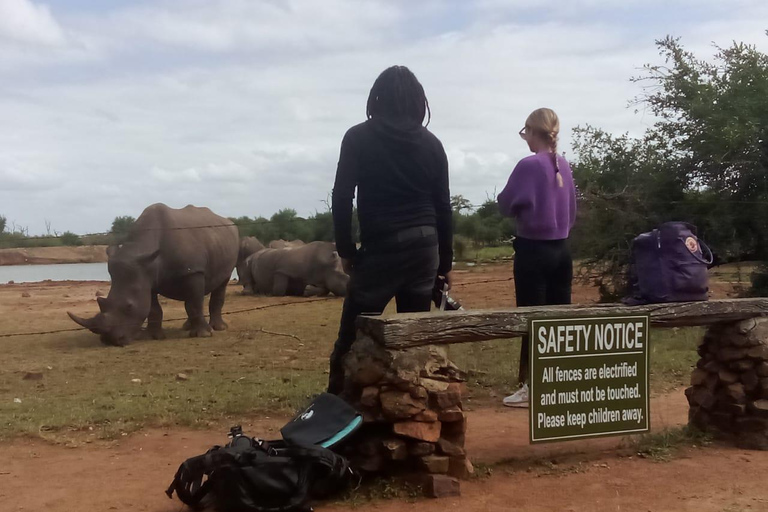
<point>522,133</point>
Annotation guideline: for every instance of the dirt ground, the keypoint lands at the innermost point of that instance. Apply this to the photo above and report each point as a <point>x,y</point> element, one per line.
<point>132,471</point>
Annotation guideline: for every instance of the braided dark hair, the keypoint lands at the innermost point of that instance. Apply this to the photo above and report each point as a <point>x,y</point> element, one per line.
<point>397,94</point>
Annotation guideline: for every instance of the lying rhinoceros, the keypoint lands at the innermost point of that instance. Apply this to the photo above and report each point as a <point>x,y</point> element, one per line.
<point>285,244</point>
<point>181,254</point>
<point>315,266</point>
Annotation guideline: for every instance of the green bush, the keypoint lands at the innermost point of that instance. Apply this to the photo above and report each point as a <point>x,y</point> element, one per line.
<point>70,239</point>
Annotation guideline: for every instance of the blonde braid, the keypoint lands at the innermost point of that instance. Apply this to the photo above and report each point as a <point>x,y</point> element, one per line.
<point>553,145</point>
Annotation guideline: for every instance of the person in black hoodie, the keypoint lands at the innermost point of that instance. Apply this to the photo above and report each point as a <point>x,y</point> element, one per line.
<point>400,171</point>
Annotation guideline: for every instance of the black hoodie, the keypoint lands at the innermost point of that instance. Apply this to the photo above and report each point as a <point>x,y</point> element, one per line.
<point>401,173</point>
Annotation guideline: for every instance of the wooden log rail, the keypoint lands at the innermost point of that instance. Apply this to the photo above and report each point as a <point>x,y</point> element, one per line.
<point>441,328</point>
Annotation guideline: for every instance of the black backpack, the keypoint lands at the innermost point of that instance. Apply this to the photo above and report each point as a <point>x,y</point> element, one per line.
<point>251,475</point>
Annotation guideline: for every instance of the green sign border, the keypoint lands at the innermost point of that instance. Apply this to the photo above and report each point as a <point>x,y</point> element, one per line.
<point>531,357</point>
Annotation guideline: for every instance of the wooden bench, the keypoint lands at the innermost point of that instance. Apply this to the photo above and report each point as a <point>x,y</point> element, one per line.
<point>399,375</point>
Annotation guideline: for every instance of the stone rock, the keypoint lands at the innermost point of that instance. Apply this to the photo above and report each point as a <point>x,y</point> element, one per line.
<point>433,386</point>
<point>461,468</point>
<point>33,376</point>
<point>722,421</point>
<point>727,377</point>
<point>399,405</point>
<point>758,335</point>
<point>367,362</point>
<point>712,381</point>
<point>372,464</point>
<point>441,486</point>
<point>370,396</point>
<point>698,377</point>
<point>745,326</point>
<point>427,415</point>
<point>751,424</point>
<point>752,441</point>
<point>736,392</point>
<point>421,449</point>
<point>734,409</point>
<point>372,417</point>
<point>451,415</point>
<point>759,408</point>
<point>698,417</point>
<point>750,380</point>
<point>448,448</point>
<point>395,449</point>
<point>742,365</point>
<point>182,376</point>
<point>762,369</point>
<point>435,464</point>
<point>455,432</point>
<point>700,396</point>
<point>419,392</point>
<point>447,399</point>
<point>759,352</point>
<point>713,367</point>
<point>729,354</point>
<point>429,432</point>
<point>26,295</point>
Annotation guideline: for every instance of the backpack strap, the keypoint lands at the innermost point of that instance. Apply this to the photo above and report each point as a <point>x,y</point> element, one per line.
<point>188,482</point>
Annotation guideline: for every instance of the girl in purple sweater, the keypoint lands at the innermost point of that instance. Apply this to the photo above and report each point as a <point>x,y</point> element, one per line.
<point>541,196</point>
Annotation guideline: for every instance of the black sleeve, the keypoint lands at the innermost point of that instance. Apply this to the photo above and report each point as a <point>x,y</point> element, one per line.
<point>343,195</point>
<point>442,201</point>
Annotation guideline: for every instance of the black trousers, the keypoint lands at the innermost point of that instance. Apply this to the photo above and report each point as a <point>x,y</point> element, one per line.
<point>543,276</point>
<point>405,271</point>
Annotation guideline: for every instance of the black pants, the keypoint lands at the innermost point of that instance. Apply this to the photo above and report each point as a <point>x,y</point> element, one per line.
<point>405,271</point>
<point>543,276</point>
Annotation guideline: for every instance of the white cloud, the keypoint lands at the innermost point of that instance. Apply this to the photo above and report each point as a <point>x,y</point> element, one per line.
<point>23,21</point>
<point>241,105</point>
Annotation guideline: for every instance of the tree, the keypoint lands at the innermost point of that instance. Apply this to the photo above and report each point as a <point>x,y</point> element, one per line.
<point>71,239</point>
<point>705,162</point>
<point>459,203</point>
<point>3,222</point>
<point>122,225</point>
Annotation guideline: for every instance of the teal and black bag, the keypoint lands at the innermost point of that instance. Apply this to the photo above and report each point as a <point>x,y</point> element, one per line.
<point>251,475</point>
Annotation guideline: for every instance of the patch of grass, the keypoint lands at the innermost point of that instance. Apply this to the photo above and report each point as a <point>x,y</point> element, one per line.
<point>662,446</point>
<point>91,390</point>
<point>379,489</point>
<point>488,254</point>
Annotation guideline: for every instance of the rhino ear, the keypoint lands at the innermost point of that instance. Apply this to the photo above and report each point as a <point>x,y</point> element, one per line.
<point>147,259</point>
<point>112,251</point>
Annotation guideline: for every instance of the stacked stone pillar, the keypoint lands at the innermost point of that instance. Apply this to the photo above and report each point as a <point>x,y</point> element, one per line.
<point>414,422</point>
<point>729,387</point>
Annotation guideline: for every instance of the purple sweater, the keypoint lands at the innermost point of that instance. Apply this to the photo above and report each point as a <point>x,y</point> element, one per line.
<point>543,210</point>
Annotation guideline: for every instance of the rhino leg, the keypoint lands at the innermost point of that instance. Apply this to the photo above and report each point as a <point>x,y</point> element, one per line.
<point>280,285</point>
<point>315,291</point>
<point>198,327</point>
<point>155,319</point>
<point>215,307</point>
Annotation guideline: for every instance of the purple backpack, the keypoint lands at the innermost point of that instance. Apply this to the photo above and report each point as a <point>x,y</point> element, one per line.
<point>668,265</point>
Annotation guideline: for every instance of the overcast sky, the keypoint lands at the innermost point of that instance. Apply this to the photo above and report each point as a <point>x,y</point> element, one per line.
<point>240,105</point>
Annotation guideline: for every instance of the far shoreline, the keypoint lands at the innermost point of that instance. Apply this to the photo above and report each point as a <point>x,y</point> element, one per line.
<point>53,255</point>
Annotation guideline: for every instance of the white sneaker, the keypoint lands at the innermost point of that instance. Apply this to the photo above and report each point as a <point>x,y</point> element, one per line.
<point>518,399</point>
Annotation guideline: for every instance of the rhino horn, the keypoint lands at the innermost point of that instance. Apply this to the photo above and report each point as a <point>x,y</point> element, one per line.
<point>88,323</point>
<point>102,305</point>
